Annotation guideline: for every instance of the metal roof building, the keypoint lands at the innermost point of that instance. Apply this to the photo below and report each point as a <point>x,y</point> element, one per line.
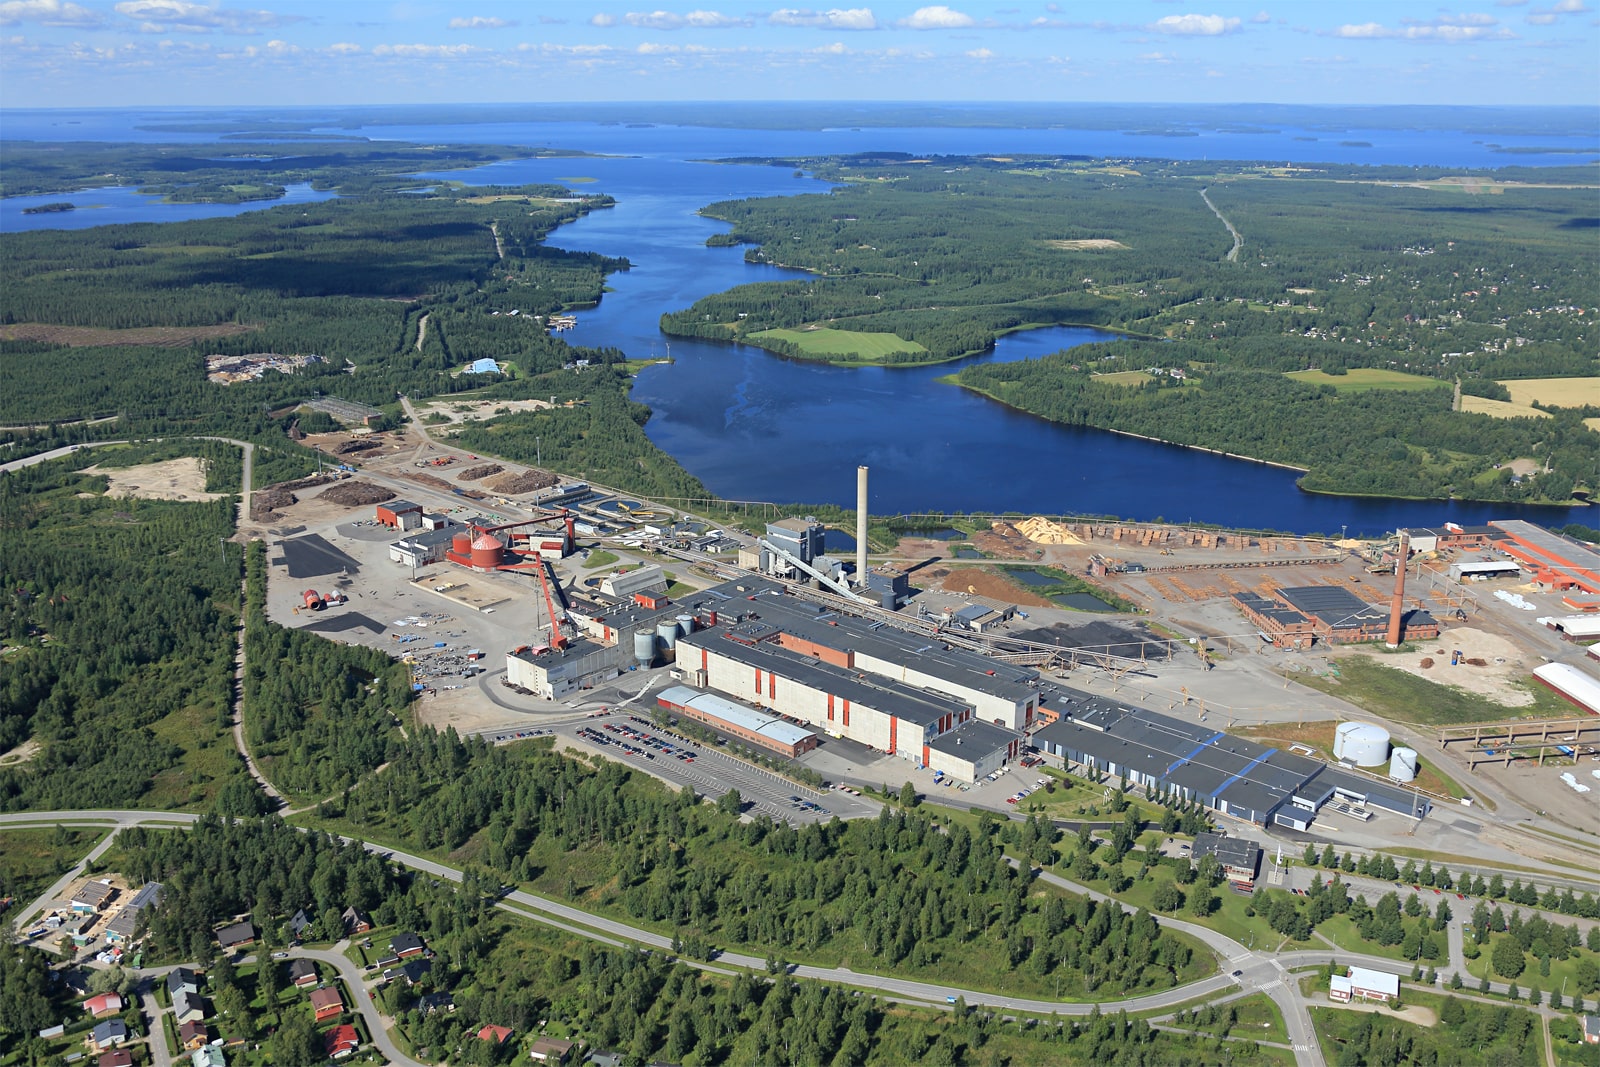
<point>1227,774</point>
<point>768,731</point>
<point>1568,681</point>
<point>1557,562</point>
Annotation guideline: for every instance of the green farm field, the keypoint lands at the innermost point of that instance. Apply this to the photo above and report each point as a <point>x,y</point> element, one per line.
<point>840,344</point>
<point>1361,379</point>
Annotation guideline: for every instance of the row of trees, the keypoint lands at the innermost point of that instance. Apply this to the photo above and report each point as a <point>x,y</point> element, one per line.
<point>1377,865</point>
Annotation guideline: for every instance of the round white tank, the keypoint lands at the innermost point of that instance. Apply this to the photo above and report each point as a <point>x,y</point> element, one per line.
<point>1403,765</point>
<point>1361,743</point>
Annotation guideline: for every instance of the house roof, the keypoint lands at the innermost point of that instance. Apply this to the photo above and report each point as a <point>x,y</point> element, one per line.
<point>326,997</point>
<point>406,942</point>
<point>96,893</point>
<point>236,934</point>
<point>300,968</point>
<point>115,1058</point>
<point>180,978</point>
<point>498,1034</point>
<point>1377,981</point>
<point>343,1036</point>
<point>192,1029</point>
<point>1230,851</point>
<point>103,1002</point>
<point>109,1030</point>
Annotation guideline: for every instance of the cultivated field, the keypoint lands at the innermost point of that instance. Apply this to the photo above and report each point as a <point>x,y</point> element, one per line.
<point>824,343</point>
<point>1360,379</point>
<point>1554,392</point>
<point>91,337</point>
<point>1086,244</point>
<point>1500,409</point>
<point>1123,377</point>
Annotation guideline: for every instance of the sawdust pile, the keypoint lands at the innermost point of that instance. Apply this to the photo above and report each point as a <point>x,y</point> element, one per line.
<point>357,494</point>
<point>482,470</point>
<point>1044,532</point>
<point>523,483</point>
<point>351,447</point>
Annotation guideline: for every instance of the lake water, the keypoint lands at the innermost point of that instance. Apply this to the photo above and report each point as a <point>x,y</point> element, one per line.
<point>753,426</point>
<point>113,204</point>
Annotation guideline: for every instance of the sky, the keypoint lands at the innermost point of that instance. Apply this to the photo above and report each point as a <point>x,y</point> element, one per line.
<point>107,53</point>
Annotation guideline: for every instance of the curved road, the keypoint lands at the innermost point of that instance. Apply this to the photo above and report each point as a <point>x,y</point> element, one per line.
<point>377,1023</point>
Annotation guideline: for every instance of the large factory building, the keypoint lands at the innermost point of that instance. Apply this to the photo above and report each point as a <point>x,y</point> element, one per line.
<point>1224,773</point>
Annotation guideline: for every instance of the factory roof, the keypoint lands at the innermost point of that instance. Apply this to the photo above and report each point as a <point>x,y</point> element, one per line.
<point>795,525</point>
<point>428,538</point>
<point>1208,762</point>
<point>974,739</point>
<point>395,507</point>
<point>751,645</point>
<point>832,629</point>
<point>1486,566</point>
<point>768,726</point>
<point>1578,686</point>
<point>1268,609</point>
<point>1333,605</point>
<point>1558,553</point>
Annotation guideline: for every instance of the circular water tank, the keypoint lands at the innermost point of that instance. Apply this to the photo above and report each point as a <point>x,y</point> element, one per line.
<point>644,647</point>
<point>668,632</point>
<point>1361,743</point>
<point>1403,765</point>
<point>685,625</point>
<point>461,544</point>
<point>487,552</point>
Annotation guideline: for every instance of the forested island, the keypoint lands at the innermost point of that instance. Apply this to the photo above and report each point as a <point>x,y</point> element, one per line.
<point>50,209</point>
<point>1353,332</point>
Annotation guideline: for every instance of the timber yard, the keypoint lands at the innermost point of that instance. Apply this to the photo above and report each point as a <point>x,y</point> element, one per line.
<point>722,658</point>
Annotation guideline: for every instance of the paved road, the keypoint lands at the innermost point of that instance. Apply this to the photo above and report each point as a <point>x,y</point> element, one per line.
<point>160,1056</point>
<point>118,818</point>
<point>1238,238</point>
<point>377,1023</point>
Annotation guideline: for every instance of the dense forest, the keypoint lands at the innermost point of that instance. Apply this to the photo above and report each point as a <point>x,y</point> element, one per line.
<point>118,619</point>
<point>319,714</point>
<point>1358,272</point>
<point>904,892</point>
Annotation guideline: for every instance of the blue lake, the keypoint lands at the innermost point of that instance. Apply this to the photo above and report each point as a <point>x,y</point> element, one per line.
<point>114,204</point>
<point>753,426</point>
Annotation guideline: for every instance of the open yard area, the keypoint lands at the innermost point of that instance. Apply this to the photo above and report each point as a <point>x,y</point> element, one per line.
<point>1360,379</point>
<point>1365,681</point>
<point>173,479</point>
<point>823,343</point>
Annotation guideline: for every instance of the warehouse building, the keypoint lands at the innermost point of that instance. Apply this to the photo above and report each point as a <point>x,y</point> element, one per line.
<point>972,750</point>
<point>1557,562</point>
<point>1583,629</point>
<point>647,579</point>
<point>1571,684</point>
<point>1450,535</point>
<point>736,720</point>
<point>425,547</point>
<point>400,514</point>
<point>1480,570</point>
<point>1226,774</point>
<point>1297,616</point>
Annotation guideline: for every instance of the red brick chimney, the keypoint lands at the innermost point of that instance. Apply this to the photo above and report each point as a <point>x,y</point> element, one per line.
<point>1397,606</point>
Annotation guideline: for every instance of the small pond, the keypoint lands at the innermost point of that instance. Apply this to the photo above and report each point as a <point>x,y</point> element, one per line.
<point>1082,602</point>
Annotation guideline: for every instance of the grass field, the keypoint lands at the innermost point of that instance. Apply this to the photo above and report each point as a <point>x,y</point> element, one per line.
<point>1366,683</point>
<point>31,859</point>
<point>1123,377</point>
<point>841,344</point>
<point>1361,379</point>
<point>1500,409</point>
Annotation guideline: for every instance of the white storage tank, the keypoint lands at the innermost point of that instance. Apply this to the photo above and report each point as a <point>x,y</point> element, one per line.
<point>667,634</point>
<point>1403,765</point>
<point>644,647</point>
<point>1361,743</point>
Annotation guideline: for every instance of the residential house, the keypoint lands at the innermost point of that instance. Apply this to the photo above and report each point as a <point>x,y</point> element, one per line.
<point>429,1003</point>
<point>413,972</point>
<point>104,1004</point>
<point>299,923</point>
<point>355,921</point>
<point>92,897</point>
<point>193,1034</point>
<point>341,1041</point>
<point>236,935</point>
<point>108,1034</point>
<point>1591,1029</point>
<point>182,978</point>
<point>1365,984</point>
<point>303,973</point>
<point>207,1056</point>
<point>498,1035</point>
<point>120,1057</point>
<point>407,945</point>
<point>1240,859</point>
<point>187,1007</point>
<point>552,1050</point>
<point>327,1003</point>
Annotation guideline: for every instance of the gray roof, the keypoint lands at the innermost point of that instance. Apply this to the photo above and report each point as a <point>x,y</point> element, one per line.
<point>1230,851</point>
<point>395,507</point>
<point>180,978</point>
<point>974,740</point>
<point>1341,609</point>
<point>752,646</point>
<point>757,722</point>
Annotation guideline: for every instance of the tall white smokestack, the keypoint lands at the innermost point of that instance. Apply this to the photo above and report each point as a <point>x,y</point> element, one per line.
<point>861,526</point>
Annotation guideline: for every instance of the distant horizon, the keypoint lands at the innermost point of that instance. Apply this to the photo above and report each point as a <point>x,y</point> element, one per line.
<point>58,54</point>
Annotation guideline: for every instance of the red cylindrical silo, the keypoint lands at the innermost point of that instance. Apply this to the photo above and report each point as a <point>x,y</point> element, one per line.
<point>487,552</point>
<point>461,544</point>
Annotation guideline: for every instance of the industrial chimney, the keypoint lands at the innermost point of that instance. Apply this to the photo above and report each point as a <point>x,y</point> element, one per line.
<point>1397,606</point>
<point>861,526</point>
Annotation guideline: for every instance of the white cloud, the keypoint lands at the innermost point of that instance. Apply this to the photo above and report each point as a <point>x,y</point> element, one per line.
<point>671,20</point>
<point>48,12</point>
<point>1540,18</point>
<point>1569,7</point>
<point>651,48</point>
<point>852,18</point>
<point>1454,20</point>
<point>938,17</point>
<point>160,16</point>
<point>344,48</point>
<point>1260,17</point>
<point>480,22</point>
<point>424,51</point>
<point>603,20</point>
<point>1195,25</point>
<point>1158,57</point>
<point>837,48</point>
<point>1444,29</point>
<point>980,53</point>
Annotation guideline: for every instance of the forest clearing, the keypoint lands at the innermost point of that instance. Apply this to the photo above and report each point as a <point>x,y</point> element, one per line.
<point>1360,379</point>
<point>823,342</point>
<point>94,337</point>
<point>172,479</point>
